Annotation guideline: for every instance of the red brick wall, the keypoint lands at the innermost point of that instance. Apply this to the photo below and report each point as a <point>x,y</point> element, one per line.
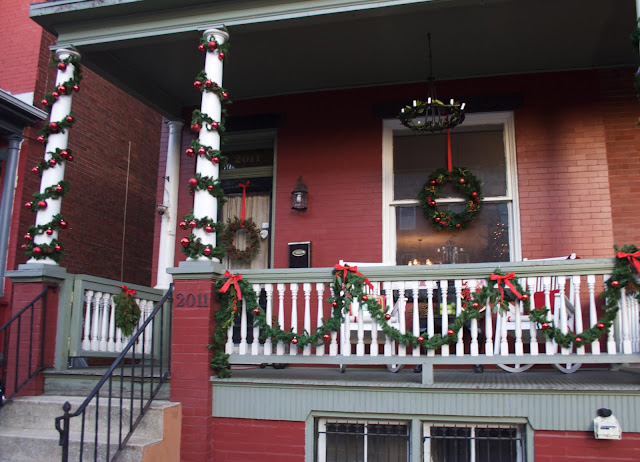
<point>240,440</point>
<point>551,446</point>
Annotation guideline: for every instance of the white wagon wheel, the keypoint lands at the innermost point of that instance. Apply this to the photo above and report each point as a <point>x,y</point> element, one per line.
<point>568,368</point>
<point>515,367</point>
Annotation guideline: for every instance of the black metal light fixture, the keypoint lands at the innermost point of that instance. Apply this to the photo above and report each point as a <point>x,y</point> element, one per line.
<point>299,196</point>
<point>432,115</point>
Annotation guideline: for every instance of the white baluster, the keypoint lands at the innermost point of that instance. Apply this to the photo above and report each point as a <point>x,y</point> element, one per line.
<point>444,289</point>
<point>306,288</point>
<point>139,346</point>
<point>562,312</point>
<point>86,334</point>
<point>625,322</point>
<point>473,347</point>
<point>518,310</point>
<point>95,325</point>
<point>388,290</point>
<point>593,315</point>
<point>430,321</point>
<point>401,314</point>
<point>119,340</point>
<point>504,344</point>
<point>333,346</point>
<point>293,349</point>
<point>255,344</point>
<point>577,305</point>
<point>533,334</point>
<point>460,342</point>
<point>106,304</point>
<point>281,291</point>
<point>111,344</point>
<point>149,329</point>
<point>373,349</point>
<point>550,345</point>
<point>242,348</point>
<point>414,285</point>
<point>359,312</point>
<point>320,293</point>
<point>268,288</point>
<point>229,346</point>
<point>611,339</point>
<point>488,329</point>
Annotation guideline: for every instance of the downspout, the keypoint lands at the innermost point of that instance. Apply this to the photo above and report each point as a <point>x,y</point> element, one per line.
<point>8,188</point>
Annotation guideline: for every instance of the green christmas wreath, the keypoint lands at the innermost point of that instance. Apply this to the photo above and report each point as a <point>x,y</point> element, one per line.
<point>228,235</point>
<point>127,311</point>
<point>466,183</point>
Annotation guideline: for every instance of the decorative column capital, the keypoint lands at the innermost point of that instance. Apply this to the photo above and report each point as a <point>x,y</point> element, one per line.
<point>175,126</point>
<point>62,53</point>
<point>219,35</point>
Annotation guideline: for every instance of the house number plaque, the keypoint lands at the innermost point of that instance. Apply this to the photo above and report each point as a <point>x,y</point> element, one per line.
<point>191,300</point>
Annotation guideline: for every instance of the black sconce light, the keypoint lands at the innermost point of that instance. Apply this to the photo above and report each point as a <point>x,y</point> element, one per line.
<point>299,196</point>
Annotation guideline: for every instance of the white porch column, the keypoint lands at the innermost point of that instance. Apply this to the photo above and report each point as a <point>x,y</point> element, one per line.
<point>204,204</point>
<point>167,246</point>
<point>59,140</point>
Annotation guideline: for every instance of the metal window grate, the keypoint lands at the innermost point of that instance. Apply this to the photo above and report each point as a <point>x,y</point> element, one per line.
<point>474,443</point>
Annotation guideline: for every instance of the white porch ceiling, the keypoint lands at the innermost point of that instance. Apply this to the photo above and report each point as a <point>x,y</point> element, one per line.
<point>149,47</point>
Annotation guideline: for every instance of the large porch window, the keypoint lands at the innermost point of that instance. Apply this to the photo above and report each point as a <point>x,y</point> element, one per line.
<point>485,144</point>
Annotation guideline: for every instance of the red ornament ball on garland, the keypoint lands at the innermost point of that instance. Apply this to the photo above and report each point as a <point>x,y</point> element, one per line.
<point>35,170</point>
<point>44,102</point>
<point>53,126</point>
<point>462,181</point>
<point>64,154</point>
<point>207,251</point>
<point>475,305</point>
<point>23,246</point>
<point>221,55</point>
<point>215,160</point>
<point>208,83</point>
<point>214,125</point>
<point>578,339</point>
<point>474,194</point>
<point>52,162</point>
<point>28,205</point>
<point>294,341</point>
<point>28,237</point>
<point>62,66</point>
<point>57,248</point>
<point>202,151</point>
<point>212,45</point>
<point>69,119</point>
<point>544,326</point>
<point>42,205</point>
<point>41,139</point>
<point>387,316</point>
<point>183,225</point>
<point>225,95</point>
<point>197,84</point>
<point>201,47</point>
<point>63,224</point>
<point>193,182</point>
<point>432,203</point>
<point>62,90</point>
<point>365,298</point>
<point>49,231</point>
<point>615,284</point>
<point>210,187</point>
<point>190,152</point>
<point>256,311</point>
<point>420,339</point>
<point>185,242</point>
<point>55,94</point>
<point>450,333</point>
<point>70,158</point>
<point>326,336</point>
<point>193,224</point>
<point>76,88</point>
<point>525,297</point>
<point>195,128</point>
<point>208,229</point>
<point>458,225</point>
<point>334,304</point>
<point>37,251</point>
<point>600,326</point>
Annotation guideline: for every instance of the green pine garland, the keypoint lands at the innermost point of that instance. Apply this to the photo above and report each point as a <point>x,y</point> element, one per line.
<point>193,247</point>
<point>206,183</point>
<point>204,84</point>
<point>127,313</point>
<point>229,233</point>
<point>201,120</point>
<point>206,44</point>
<point>212,155</point>
<point>55,157</point>
<point>42,251</point>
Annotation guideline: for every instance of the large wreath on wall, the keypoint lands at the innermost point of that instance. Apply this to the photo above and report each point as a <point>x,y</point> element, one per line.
<point>228,236</point>
<point>467,184</point>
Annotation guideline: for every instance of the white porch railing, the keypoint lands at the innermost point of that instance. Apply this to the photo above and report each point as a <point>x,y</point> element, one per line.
<point>416,295</point>
<point>93,327</point>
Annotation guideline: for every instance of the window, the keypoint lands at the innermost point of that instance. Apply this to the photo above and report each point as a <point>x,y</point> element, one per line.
<point>473,443</point>
<point>484,143</point>
<point>362,441</point>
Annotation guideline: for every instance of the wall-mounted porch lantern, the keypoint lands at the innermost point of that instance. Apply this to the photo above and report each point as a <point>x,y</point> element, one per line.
<point>299,196</point>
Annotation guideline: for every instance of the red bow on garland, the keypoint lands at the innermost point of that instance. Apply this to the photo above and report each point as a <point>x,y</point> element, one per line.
<point>232,279</point>
<point>353,269</point>
<point>129,292</point>
<point>633,259</point>
<point>507,280</point>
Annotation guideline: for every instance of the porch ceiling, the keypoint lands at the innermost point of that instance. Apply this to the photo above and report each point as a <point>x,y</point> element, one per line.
<point>149,47</point>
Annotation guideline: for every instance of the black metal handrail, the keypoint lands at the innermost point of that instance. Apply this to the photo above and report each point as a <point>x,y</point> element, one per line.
<point>126,357</point>
<point>20,377</point>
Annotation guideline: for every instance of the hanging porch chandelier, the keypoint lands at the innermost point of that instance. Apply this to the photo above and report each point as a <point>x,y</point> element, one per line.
<point>432,115</point>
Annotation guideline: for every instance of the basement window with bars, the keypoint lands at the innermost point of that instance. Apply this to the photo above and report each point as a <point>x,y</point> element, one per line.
<point>362,440</point>
<point>449,442</point>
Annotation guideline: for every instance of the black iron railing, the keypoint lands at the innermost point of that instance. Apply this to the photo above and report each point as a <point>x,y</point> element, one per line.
<point>18,332</point>
<point>109,436</point>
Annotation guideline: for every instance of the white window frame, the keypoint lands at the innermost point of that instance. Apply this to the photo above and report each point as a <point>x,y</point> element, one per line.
<point>389,205</point>
<point>426,432</point>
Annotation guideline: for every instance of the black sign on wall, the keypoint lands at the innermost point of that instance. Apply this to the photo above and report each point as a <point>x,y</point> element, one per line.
<point>299,254</point>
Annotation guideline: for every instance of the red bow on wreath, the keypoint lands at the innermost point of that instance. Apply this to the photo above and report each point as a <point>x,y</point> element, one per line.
<point>633,259</point>
<point>353,269</point>
<point>507,280</point>
<point>232,279</point>
<point>129,292</point>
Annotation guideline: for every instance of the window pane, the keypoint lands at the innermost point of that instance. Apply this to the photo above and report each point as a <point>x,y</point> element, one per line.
<point>481,151</point>
<point>496,444</point>
<point>450,444</point>
<point>486,239</point>
<point>345,442</point>
<point>387,442</point>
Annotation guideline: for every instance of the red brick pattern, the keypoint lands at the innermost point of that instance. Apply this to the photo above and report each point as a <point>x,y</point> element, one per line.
<point>554,446</point>
<point>240,440</point>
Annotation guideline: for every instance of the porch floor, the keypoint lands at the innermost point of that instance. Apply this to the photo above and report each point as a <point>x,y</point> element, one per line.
<point>538,378</point>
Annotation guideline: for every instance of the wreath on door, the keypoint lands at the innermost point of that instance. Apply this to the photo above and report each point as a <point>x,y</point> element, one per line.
<point>227,239</point>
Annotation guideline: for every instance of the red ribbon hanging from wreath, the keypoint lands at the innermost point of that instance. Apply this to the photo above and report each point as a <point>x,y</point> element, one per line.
<point>244,187</point>
<point>633,259</point>
<point>353,269</point>
<point>232,279</point>
<point>507,280</point>
<point>449,163</point>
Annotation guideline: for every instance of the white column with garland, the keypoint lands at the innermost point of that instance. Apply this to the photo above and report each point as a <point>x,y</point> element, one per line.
<point>167,246</point>
<point>59,140</point>
<point>204,204</point>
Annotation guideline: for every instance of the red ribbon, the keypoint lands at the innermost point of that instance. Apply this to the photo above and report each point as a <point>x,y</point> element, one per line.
<point>353,269</point>
<point>232,279</point>
<point>129,292</point>
<point>449,163</point>
<point>507,280</point>
<point>633,259</point>
<point>244,198</point>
